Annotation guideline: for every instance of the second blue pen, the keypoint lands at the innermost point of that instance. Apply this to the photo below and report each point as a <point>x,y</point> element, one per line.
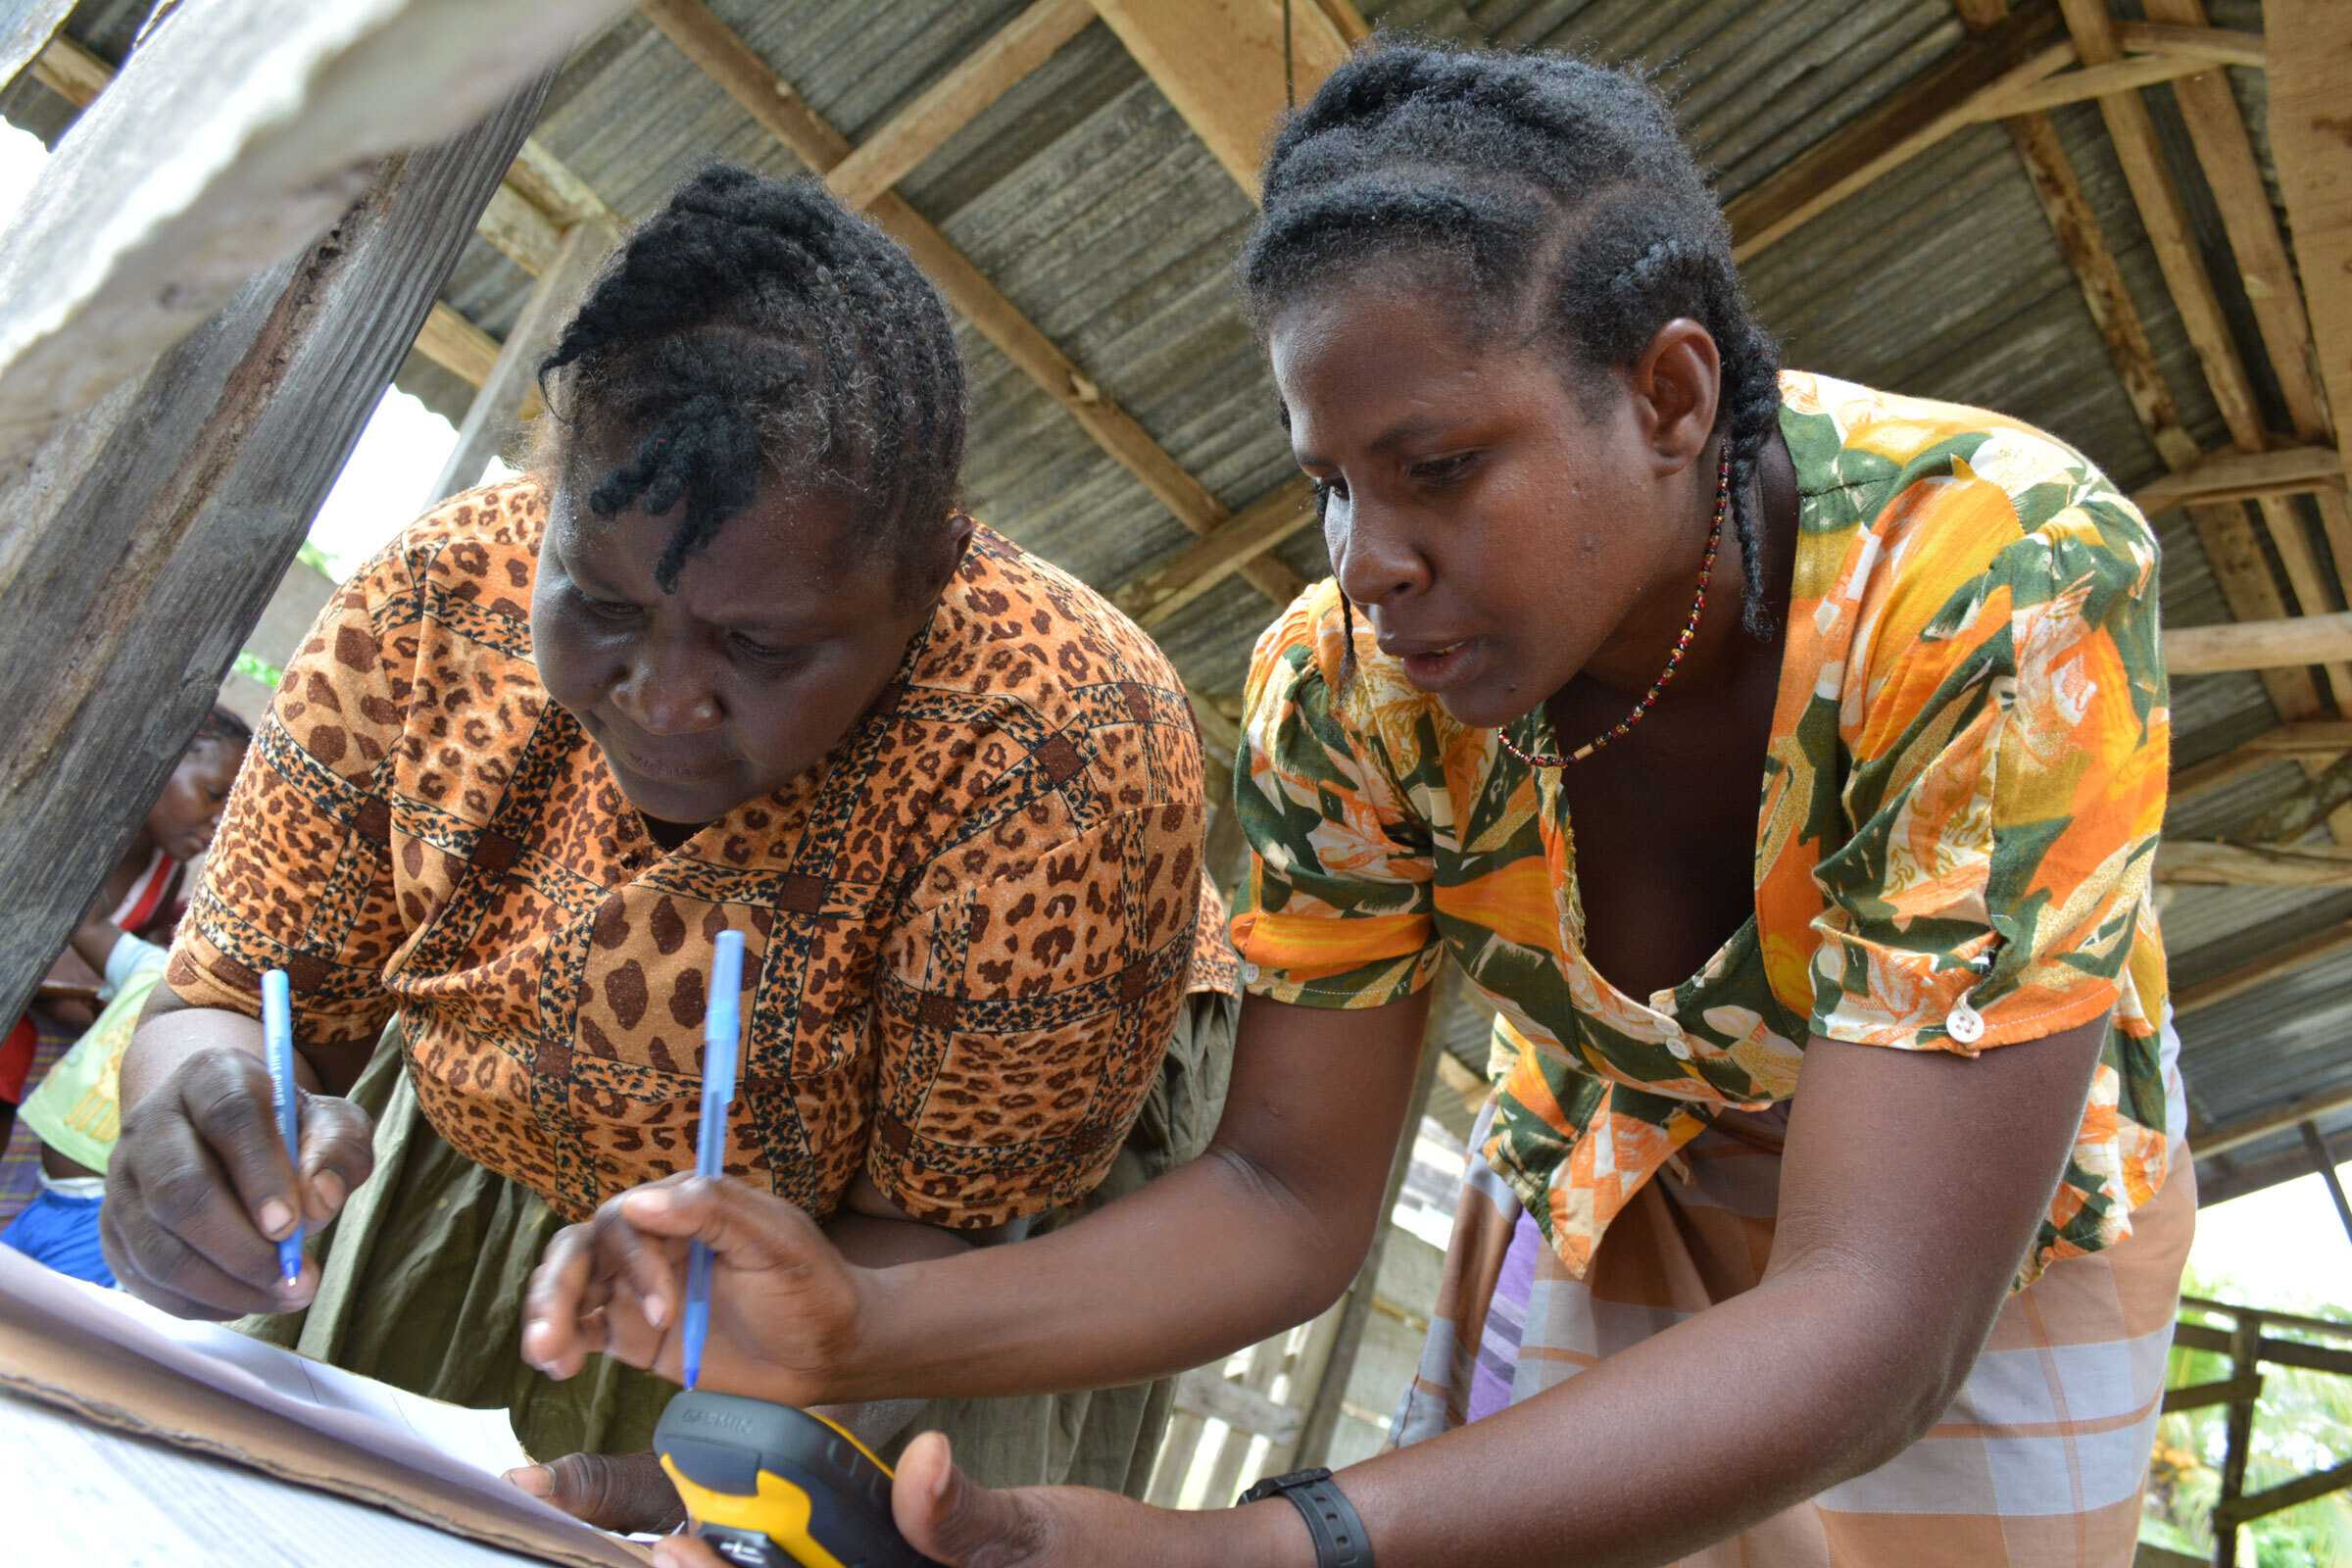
<point>721,1033</point>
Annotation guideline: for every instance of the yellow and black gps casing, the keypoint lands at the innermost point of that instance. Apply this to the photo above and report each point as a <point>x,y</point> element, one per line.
<point>771,1487</point>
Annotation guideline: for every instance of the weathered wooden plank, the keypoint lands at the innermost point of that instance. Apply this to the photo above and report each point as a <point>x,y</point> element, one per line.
<point>547,184</point>
<point>518,231</point>
<point>2244,476</point>
<point>2205,863</point>
<point>2245,977</point>
<point>72,72</point>
<point>2201,1396</point>
<point>2259,644</point>
<point>950,103</point>
<point>1222,64</point>
<point>2088,82</point>
<point>146,537</point>
<point>118,252</point>
<point>457,345</point>
<point>2231,1512</point>
<point>1249,1411</point>
<point>2008,56</point>
<point>720,54</point>
<point>2311,136</point>
<point>498,411</point>
<point>1259,528</point>
<point>2315,737</point>
<point>26,30</point>
<point>2221,46</point>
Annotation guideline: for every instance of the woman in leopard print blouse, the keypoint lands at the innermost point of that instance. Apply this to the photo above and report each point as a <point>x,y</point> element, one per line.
<point>728,657</point>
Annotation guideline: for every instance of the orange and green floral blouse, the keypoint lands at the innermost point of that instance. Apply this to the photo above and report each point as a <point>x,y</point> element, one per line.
<point>1958,818</point>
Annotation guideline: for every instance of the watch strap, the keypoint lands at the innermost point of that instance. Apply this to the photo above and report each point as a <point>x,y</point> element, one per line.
<point>1331,1519</point>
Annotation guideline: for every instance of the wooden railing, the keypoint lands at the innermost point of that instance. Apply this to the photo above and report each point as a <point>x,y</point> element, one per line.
<point>2249,1345</point>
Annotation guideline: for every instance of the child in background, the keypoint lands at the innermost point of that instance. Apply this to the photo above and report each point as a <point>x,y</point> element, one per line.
<point>72,1113</point>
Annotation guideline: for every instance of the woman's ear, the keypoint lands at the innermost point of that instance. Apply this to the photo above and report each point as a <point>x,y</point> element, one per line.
<point>1676,384</point>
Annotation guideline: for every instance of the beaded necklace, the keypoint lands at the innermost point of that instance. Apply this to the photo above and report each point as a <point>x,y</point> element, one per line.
<point>1682,645</point>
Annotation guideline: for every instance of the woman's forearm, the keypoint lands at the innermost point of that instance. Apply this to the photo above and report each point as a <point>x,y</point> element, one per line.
<point>1691,1436</point>
<point>1196,1265</point>
<point>1261,1232</point>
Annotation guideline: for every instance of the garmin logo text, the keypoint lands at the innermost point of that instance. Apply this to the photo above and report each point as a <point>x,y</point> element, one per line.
<point>702,1416</point>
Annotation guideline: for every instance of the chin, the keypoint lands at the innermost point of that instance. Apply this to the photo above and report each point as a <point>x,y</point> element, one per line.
<point>684,801</point>
<point>1482,708</point>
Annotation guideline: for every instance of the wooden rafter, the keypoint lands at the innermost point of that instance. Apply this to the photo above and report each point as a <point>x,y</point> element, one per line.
<point>2308,119</point>
<point>720,54</point>
<point>2312,949</point>
<point>2203,864</point>
<point>2236,1134</point>
<point>457,345</point>
<point>2318,737</point>
<point>950,103</point>
<point>2259,644</point>
<point>2013,54</point>
<point>2245,477</point>
<point>1220,63</point>
<point>2232,548</point>
<point>1257,528</point>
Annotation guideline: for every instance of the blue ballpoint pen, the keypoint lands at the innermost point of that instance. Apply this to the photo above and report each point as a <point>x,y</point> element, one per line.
<point>721,1037</point>
<point>277,1040</point>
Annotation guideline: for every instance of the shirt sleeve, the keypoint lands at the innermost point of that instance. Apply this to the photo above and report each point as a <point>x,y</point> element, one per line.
<point>2009,733</point>
<point>299,876</point>
<point>1023,1019</point>
<point>1339,909</point>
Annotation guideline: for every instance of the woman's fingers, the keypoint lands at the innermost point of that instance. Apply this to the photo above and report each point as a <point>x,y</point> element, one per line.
<point>627,1492</point>
<point>953,1520</point>
<point>338,1153</point>
<point>685,1552</point>
<point>562,1305</point>
<point>747,1228</point>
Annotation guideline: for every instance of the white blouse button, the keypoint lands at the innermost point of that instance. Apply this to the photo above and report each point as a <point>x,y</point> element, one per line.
<point>1964,1023</point>
<point>1678,1046</point>
<point>1250,973</point>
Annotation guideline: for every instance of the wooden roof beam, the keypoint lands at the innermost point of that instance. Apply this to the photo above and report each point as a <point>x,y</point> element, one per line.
<point>2313,39</point>
<point>2232,548</point>
<point>2244,476</point>
<point>2204,863</point>
<point>2313,737</point>
<point>2010,54</point>
<point>721,54</point>
<point>2226,154</point>
<point>2258,644</point>
<point>2122,76</point>
<point>2312,949</point>
<point>1222,65</point>
<point>2243,1130</point>
<point>2137,146</point>
<point>950,103</point>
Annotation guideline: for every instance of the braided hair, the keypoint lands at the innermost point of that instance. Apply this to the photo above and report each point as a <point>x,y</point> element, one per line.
<point>224,726</point>
<point>1559,195</point>
<point>755,332</point>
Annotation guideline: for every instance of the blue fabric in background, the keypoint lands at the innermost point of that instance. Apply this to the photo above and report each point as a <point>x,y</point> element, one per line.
<point>62,1233</point>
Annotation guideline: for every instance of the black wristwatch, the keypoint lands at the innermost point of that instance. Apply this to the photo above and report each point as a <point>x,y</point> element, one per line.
<point>1330,1517</point>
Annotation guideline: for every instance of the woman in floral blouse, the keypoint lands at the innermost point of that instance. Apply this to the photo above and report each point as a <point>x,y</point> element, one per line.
<point>1784,760</point>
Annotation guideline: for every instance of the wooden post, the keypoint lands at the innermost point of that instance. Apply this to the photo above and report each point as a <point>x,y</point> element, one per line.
<point>1331,1379</point>
<point>2245,1351</point>
<point>26,32</point>
<point>2325,1166</point>
<point>498,410</point>
<point>154,527</point>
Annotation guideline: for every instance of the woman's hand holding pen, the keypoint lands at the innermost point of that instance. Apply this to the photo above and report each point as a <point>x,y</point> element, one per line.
<point>200,1190</point>
<point>785,1304</point>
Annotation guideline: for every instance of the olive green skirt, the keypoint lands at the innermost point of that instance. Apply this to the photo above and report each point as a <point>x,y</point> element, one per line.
<point>425,1270</point>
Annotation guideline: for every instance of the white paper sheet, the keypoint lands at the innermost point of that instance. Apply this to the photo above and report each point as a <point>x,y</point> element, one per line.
<point>459,1447</point>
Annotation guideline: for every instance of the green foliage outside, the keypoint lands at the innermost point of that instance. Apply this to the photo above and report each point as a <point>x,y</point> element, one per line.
<point>2303,1424</point>
<point>254,667</point>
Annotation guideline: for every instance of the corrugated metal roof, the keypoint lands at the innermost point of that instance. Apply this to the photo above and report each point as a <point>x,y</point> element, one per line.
<point>1083,195</point>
